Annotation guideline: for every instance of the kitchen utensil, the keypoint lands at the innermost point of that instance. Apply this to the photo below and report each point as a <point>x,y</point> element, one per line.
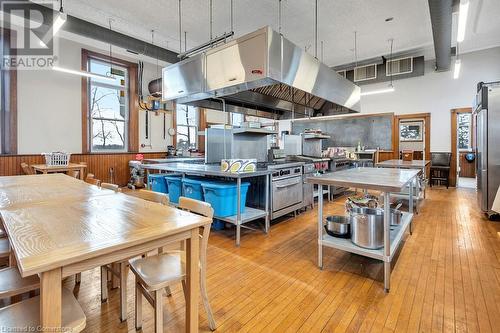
<point>367,228</point>
<point>338,226</point>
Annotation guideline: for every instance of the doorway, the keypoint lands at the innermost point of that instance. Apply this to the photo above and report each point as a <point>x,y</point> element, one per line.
<point>412,132</point>
<point>463,170</point>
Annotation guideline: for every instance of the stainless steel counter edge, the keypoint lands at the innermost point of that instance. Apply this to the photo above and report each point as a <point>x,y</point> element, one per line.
<point>370,185</point>
<point>203,169</point>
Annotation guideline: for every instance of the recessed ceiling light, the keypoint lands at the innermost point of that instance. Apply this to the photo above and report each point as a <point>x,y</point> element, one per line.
<point>389,19</point>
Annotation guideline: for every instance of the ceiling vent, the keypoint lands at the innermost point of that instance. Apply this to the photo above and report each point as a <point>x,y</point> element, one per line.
<point>341,73</point>
<point>364,73</point>
<point>399,66</point>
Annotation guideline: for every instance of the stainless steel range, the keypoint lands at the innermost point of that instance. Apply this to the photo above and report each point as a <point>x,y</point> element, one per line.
<point>286,188</point>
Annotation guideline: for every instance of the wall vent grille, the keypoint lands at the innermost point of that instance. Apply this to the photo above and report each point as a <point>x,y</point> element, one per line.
<point>364,73</point>
<point>399,66</point>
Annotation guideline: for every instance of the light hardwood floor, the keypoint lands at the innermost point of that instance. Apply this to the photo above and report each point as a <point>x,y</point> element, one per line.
<point>447,278</point>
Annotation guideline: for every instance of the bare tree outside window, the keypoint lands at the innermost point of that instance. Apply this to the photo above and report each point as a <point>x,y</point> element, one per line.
<point>464,130</point>
<point>108,105</point>
<point>187,127</point>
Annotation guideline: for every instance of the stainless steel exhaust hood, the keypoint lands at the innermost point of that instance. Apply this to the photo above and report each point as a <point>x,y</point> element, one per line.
<point>263,71</point>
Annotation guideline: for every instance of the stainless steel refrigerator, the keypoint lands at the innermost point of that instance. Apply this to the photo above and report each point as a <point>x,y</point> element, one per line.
<point>487,115</point>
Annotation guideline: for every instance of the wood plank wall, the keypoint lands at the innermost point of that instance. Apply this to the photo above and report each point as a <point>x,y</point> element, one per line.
<point>98,164</point>
<point>467,169</point>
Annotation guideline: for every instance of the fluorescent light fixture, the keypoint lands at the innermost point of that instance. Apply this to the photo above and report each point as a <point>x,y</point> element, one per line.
<point>456,70</point>
<point>462,20</point>
<point>83,73</point>
<point>379,91</point>
<point>59,22</point>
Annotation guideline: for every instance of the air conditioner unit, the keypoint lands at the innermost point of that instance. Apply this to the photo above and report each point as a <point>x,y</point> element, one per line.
<point>364,73</point>
<point>399,66</point>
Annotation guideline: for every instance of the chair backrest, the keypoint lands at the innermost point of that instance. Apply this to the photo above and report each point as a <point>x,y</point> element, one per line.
<point>92,180</point>
<point>200,208</point>
<point>112,187</point>
<point>148,195</point>
<point>27,169</point>
<point>441,159</point>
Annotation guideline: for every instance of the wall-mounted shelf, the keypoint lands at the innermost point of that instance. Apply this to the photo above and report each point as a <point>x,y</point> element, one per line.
<point>257,131</point>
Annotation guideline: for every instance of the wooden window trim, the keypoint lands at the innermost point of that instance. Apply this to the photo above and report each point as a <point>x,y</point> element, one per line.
<point>133,121</point>
<point>9,115</point>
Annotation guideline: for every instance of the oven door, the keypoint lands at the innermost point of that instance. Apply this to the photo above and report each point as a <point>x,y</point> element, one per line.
<point>286,192</point>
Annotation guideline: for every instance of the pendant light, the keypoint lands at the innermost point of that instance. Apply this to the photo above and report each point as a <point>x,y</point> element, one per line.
<point>88,74</point>
<point>458,65</point>
<point>58,21</point>
<point>390,88</point>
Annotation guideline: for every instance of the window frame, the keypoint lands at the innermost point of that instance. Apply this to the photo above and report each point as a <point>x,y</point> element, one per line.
<point>126,118</point>
<point>196,126</point>
<point>469,147</point>
<point>8,99</point>
<point>131,123</point>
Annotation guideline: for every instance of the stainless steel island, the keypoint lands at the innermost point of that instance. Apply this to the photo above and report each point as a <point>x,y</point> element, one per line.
<point>239,219</point>
<point>378,179</point>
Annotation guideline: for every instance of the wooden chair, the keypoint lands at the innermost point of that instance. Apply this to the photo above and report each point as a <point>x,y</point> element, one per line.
<point>117,272</point>
<point>92,180</point>
<point>27,169</point>
<point>27,314</point>
<point>440,168</point>
<point>13,285</point>
<point>5,249</point>
<point>148,195</point>
<point>112,187</point>
<point>153,274</point>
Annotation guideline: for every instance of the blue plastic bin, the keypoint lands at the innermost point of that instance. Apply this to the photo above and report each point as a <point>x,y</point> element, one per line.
<point>174,184</point>
<point>158,183</point>
<point>218,225</point>
<point>223,197</point>
<point>192,188</point>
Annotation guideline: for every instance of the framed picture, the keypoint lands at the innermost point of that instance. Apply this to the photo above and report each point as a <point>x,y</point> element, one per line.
<point>411,131</point>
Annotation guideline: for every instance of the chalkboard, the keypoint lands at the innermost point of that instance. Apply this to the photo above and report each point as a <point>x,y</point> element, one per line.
<point>372,131</point>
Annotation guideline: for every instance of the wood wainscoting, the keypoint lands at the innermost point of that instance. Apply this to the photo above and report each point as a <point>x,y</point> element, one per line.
<point>98,164</point>
<point>467,169</point>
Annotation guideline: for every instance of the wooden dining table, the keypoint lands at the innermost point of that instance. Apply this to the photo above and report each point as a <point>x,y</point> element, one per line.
<point>70,227</point>
<point>45,169</point>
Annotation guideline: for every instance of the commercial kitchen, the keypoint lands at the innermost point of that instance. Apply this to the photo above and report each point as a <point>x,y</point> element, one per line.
<point>250,166</point>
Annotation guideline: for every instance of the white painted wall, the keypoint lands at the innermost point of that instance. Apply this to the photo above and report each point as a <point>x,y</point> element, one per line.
<point>49,107</point>
<point>437,93</point>
<point>434,92</point>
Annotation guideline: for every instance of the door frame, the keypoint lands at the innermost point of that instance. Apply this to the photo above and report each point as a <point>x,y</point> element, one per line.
<point>427,124</point>
<point>454,146</point>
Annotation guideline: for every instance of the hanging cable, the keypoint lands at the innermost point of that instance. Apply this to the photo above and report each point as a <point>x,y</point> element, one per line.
<point>180,27</point>
<point>279,17</point>
<point>355,48</point>
<point>211,20</point>
<point>110,51</point>
<point>316,29</point>
<point>231,15</point>
<point>392,42</point>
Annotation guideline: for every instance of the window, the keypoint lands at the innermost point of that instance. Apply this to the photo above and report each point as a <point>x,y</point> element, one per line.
<point>464,131</point>
<point>108,107</point>
<point>187,127</point>
<point>237,119</point>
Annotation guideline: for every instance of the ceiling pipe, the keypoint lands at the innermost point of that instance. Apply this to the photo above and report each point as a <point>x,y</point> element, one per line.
<point>105,35</point>
<point>441,18</point>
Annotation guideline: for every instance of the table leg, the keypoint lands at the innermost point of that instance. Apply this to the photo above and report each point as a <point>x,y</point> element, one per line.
<point>387,243</point>
<point>82,170</point>
<point>320,226</point>
<point>238,212</point>
<point>267,227</point>
<point>50,300</point>
<point>123,291</point>
<point>192,280</point>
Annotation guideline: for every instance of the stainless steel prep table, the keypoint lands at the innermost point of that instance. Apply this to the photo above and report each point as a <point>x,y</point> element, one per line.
<point>239,219</point>
<point>378,179</point>
<point>175,160</point>
<point>414,164</point>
